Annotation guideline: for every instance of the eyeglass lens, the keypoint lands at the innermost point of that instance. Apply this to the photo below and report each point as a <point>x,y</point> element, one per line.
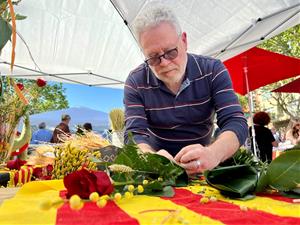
<point>169,55</point>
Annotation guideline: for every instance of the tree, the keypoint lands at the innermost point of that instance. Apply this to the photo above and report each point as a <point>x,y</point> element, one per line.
<point>287,43</point>
<point>50,97</point>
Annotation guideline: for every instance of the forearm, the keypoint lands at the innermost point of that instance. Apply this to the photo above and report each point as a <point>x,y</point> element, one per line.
<point>225,146</point>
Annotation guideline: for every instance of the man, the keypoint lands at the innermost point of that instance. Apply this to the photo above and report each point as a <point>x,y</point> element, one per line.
<point>61,129</point>
<point>170,100</point>
<point>41,135</point>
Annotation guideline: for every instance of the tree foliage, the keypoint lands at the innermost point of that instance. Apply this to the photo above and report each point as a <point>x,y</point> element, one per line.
<point>287,43</point>
<point>47,98</point>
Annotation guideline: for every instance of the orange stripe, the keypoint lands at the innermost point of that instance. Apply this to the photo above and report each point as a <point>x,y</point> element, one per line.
<point>228,213</point>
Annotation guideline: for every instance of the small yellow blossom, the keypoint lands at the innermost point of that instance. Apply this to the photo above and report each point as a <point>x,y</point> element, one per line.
<point>140,189</point>
<point>128,195</point>
<point>130,188</point>
<point>145,182</point>
<point>204,200</point>
<point>101,203</point>
<point>75,202</point>
<point>117,196</point>
<point>94,197</point>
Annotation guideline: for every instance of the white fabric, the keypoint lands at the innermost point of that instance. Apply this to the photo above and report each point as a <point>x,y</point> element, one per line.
<point>89,36</point>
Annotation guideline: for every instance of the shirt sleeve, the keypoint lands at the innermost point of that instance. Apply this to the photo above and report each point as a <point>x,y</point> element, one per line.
<point>230,116</point>
<point>135,117</point>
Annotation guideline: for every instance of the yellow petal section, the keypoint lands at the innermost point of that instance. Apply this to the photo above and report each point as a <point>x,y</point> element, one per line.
<point>264,204</point>
<point>155,210</point>
<point>27,207</point>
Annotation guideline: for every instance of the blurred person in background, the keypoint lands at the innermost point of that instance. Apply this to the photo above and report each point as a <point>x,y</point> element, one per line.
<point>61,129</point>
<point>263,136</point>
<point>41,135</point>
<point>293,132</point>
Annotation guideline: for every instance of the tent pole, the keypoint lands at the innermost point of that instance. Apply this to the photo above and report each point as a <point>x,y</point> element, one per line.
<point>250,102</point>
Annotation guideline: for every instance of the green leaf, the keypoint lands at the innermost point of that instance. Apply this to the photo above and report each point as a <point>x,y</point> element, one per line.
<point>5,33</point>
<point>20,17</point>
<point>148,166</point>
<point>284,172</point>
<point>235,181</point>
<point>154,164</point>
<point>263,180</point>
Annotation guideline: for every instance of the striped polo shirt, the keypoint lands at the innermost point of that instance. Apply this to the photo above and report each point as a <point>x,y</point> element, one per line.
<point>158,117</point>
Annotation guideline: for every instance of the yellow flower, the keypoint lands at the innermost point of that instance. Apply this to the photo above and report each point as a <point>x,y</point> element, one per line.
<point>117,196</point>
<point>101,203</point>
<point>75,202</point>
<point>130,188</point>
<point>94,197</point>
<point>145,182</point>
<point>128,195</point>
<point>140,189</point>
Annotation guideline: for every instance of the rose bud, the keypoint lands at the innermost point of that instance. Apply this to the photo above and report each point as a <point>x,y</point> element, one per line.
<point>40,82</point>
<point>20,86</point>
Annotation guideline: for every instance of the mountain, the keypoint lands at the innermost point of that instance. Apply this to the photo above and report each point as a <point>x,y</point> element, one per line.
<point>79,116</point>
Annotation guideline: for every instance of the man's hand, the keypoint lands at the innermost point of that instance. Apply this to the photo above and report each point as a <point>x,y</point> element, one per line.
<point>196,158</point>
<point>147,148</point>
<point>166,154</point>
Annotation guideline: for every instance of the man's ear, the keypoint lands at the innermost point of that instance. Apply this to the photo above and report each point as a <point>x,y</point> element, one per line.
<point>184,40</point>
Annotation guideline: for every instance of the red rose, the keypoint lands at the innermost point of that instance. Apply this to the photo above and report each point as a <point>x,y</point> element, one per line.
<point>15,164</point>
<point>37,172</point>
<point>49,169</point>
<point>40,82</point>
<point>84,182</point>
<point>20,86</point>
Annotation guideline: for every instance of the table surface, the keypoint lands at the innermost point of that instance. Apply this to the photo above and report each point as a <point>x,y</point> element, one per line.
<point>184,208</point>
<point>7,193</point>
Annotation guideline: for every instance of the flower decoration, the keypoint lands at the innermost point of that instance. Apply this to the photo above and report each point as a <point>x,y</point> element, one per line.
<point>15,164</point>
<point>84,182</point>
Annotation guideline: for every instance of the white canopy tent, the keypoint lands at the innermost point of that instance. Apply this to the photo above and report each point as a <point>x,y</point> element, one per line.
<point>89,41</point>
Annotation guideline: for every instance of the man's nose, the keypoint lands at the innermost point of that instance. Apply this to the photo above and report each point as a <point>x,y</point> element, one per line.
<point>164,62</point>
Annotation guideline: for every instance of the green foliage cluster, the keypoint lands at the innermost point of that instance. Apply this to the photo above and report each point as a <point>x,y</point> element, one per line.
<point>243,175</point>
<point>160,172</point>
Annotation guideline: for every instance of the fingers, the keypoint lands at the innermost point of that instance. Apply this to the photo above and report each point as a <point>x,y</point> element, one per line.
<point>166,154</point>
<point>192,165</point>
<point>189,156</point>
<point>184,150</point>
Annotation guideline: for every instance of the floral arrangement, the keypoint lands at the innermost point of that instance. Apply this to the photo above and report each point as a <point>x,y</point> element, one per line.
<point>134,172</point>
<point>14,102</point>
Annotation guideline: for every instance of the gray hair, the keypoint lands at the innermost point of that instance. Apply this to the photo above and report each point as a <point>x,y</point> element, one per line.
<point>153,15</point>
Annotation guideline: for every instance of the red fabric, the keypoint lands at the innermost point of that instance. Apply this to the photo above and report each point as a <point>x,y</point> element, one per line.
<point>92,215</point>
<point>264,67</point>
<point>292,87</point>
<point>228,213</point>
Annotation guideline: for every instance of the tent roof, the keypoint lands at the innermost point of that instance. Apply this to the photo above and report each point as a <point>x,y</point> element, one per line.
<point>87,42</point>
<point>291,87</point>
<point>263,67</point>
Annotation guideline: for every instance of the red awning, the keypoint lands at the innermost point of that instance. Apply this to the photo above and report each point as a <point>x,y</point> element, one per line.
<point>264,67</point>
<point>292,87</point>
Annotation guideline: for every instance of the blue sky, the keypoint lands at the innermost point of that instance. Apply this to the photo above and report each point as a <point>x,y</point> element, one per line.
<point>99,98</point>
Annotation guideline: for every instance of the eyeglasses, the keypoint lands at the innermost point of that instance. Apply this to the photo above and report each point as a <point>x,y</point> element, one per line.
<point>169,55</point>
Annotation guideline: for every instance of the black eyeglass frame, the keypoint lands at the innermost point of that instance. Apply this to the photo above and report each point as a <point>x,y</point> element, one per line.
<point>165,55</point>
